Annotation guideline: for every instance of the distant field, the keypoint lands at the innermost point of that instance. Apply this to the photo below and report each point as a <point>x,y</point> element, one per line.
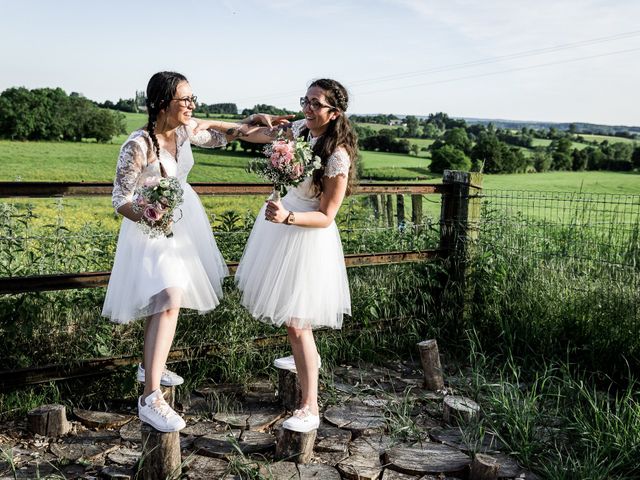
<point>601,138</point>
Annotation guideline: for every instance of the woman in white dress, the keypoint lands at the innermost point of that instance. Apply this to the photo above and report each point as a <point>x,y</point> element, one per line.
<point>153,278</point>
<point>292,271</point>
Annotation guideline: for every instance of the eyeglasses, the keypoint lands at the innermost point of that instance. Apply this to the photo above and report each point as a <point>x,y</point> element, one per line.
<point>314,104</point>
<point>187,101</point>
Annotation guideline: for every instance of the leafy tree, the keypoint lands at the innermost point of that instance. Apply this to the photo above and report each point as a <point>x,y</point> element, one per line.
<point>580,159</point>
<point>415,149</point>
<point>412,126</point>
<point>457,137</point>
<point>449,158</point>
<point>635,157</point>
<point>487,152</point>
<point>541,160</point>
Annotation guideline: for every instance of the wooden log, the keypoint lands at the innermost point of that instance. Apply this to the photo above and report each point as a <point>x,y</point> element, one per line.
<point>295,446</point>
<point>160,454</point>
<point>484,467</point>
<point>400,210</point>
<point>101,420</point>
<point>430,359</point>
<point>458,410</point>
<point>428,458</point>
<point>49,420</point>
<point>289,390</point>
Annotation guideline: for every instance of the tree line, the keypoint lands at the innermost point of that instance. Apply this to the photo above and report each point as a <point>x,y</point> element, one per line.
<point>51,114</point>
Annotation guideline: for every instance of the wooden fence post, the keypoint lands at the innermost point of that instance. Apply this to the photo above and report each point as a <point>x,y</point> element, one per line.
<point>400,210</point>
<point>389,215</point>
<point>416,212</point>
<point>375,206</point>
<point>459,227</point>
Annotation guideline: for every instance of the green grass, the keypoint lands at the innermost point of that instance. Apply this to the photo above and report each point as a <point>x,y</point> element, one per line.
<point>610,139</point>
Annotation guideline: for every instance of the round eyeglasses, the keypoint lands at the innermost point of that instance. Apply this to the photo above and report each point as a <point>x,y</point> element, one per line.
<point>186,101</point>
<point>314,104</point>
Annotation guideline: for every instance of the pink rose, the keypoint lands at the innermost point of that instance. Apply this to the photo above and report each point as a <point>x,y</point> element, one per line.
<point>151,214</point>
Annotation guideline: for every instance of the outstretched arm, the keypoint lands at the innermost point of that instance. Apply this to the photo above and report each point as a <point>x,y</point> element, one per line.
<point>247,131</point>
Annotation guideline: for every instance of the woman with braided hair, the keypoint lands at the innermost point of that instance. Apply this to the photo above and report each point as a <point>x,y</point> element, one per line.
<point>153,278</point>
<point>292,271</point>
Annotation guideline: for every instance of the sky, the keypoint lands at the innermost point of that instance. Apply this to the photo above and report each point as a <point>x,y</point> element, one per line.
<point>542,60</point>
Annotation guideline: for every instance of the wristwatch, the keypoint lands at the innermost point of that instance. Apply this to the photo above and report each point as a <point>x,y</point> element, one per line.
<point>291,218</point>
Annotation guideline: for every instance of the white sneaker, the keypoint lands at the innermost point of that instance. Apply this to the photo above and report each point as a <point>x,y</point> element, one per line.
<point>168,378</point>
<point>156,412</point>
<point>287,363</point>
<point>302,421</point>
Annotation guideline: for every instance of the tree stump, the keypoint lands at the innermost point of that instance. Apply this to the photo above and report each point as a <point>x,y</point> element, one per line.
<point>160,454</point>
<point>459,410</point>
<point>289,389</point>
<point>430,359</point>
<point>484,467</point>
<point>295,446</point>
<point>49,420</point>
<point>169,394</point>
<point>101,420</point>
<point>360,419</point>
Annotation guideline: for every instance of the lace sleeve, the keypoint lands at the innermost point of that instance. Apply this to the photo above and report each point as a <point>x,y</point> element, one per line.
<point>131,162</point>
<point>338,164</point>
<point>296,127</point>
<point>206,138</point>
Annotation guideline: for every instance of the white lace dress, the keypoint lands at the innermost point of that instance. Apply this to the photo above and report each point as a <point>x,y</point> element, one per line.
<point>296,275</point>
<point>150,275</point>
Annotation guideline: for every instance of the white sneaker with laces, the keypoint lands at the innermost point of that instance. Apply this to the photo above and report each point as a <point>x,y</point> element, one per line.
<point>155,411</point>
<point>167,379</point>
<point>302,421</point>
<point>287,363</point>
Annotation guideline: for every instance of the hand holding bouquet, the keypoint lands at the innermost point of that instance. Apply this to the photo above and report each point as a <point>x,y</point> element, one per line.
<point>287,163</point>
<point>157,198</point>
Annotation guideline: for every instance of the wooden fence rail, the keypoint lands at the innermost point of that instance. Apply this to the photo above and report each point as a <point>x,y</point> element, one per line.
<point>454,217</point>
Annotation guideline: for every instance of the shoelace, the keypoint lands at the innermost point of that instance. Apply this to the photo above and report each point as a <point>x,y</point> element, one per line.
<point>302,413</point>
<point>160,406</point>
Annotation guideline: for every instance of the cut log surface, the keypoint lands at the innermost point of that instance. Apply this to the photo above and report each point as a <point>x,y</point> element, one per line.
<point>295,446</point>
<point>161,454</point>
<point>234,420</point>
<point>49,420</point>
<point>76,452</point>
<point>200,428</point>
<point>93,419</point>
<point>458,409</point>
<point>484,467</point>
<point>221,445</point>
<point>261,419</point>
<point>360,419</point>
<point>318,471</point>
<point>332,439</point>
<point>361,467</point>
<point>130,432</point>
<point>330,458</point>
<point>428,458</point>
<point>280,470</point>
<point>169,394</point>
<point>430,358</point>
<point>389,474</point>
<point>197,467</point>
<point>126,457</point>
<point>371,445</point>
<point>116,472</point>
<point>289,390</point>
<point>453,437</point>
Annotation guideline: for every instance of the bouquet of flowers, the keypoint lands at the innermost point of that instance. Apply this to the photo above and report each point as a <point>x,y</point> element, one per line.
<point>157,198</point>
<point>287,163</point>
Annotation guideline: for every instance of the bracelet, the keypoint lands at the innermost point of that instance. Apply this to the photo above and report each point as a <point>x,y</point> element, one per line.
<point>291,218</point>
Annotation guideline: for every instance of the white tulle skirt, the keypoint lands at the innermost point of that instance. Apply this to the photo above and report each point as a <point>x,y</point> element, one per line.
<point>150,275</point>
<point>294,275</point>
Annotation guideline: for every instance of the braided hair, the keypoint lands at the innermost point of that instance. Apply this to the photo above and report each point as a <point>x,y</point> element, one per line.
<point>160,91</point>
<point>339,132</point>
